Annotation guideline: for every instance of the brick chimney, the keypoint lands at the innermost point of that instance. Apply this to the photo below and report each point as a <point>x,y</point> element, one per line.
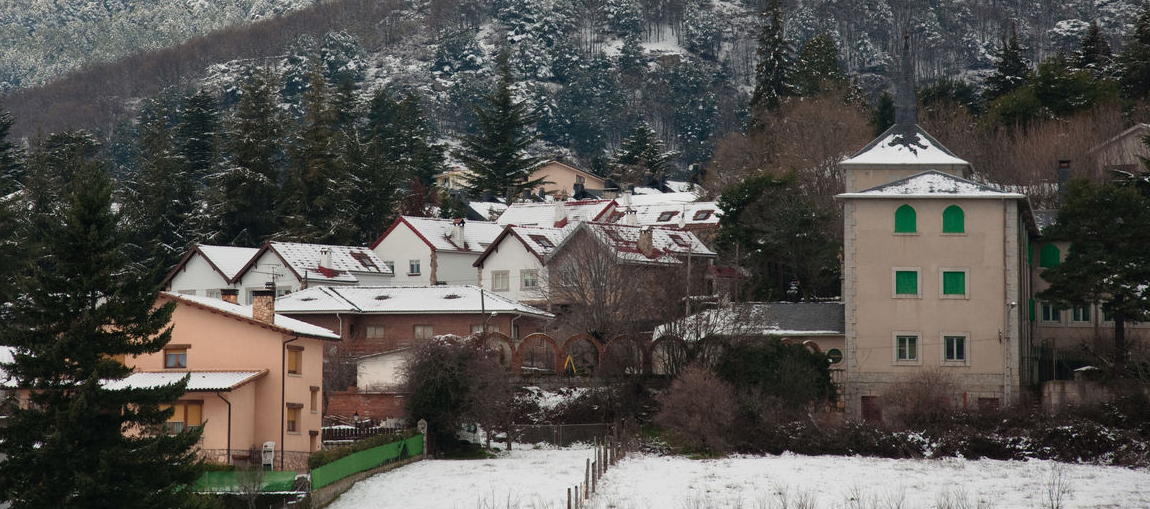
<point>230,295</point>
<point>264,306</point>
<point>646,243</point>
<point>325,258</point>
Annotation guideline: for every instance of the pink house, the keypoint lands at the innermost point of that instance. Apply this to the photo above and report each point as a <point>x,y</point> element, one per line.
<point>255,378</point>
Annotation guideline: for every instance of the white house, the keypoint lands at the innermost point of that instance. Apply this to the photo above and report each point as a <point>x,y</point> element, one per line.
<point>430,251</point>
<point>557,214</point>
<point>206,269</point>
<point>512,265</point>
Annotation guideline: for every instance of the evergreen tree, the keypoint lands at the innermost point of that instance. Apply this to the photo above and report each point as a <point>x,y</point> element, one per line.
<point>1107,227</point>
<point>1095,54</point>
<point>641,158</point>
<point>11,157</point>
<point>51,167</point>
<point>196,135</point>
<point>1011,70</point>
<point>818,66</point>
<point>952,91</point>
<point>242,195</point>
<point>496,155</point>
<point>162,195</point>
<point>1064,89</point>
<point>773,79</point>
<point>1134,60</point>
<point>80,307</point>
<point>882,117</point>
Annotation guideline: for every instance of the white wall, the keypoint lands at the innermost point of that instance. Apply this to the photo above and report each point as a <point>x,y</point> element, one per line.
<point>381,372</point>
<point>513,257</point>
<point>197,277</point>
<point>260,273</point>
<point>400,246</point>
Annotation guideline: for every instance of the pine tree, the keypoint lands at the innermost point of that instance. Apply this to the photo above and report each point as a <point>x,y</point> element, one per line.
<point>1095,54</point>
<point>773,72</point>
<point>11,157</point>
<point>242,195</point>
<point>80,307</point>
<point>496,153</point>
<point>196,135</point>
<point>818,66</point>
<point>1134,60</point>
<point>641,158</point>
<point>1011,70</point>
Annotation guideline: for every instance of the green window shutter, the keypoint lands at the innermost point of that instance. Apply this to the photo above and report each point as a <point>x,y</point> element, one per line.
<point>905,220</point>
<point>954,283</point>
<point>1030,306</point>
<point>906,282</point>
<point>1049,256</point>
<point>953,220</point>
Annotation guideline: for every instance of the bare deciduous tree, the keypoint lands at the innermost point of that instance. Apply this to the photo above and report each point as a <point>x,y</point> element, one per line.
<point>698,411</point>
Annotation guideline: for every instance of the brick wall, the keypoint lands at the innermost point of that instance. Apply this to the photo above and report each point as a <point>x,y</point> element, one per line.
<point>370,405</point>
<point>399,330</point>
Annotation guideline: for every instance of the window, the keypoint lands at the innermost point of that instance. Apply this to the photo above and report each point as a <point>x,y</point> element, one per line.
<point>528,278</point>
<point>679,240</point>
<point>476,328</point>
<point>1080,314</point>
<point>413,267</point>
<point>953,283</point>
<point>614,235</point>
<point>424,332</point>
<point>176,357</point>
<point>579,180</point>
<point>294,359</point>
<point>373,332</point>
<point>666,216</point>
<point>186,292</point>
<point>1049,256</point>
<point>1051,313</point>
<point>953,220</point>
<point>364,259</point>
<point>614,217</point>
<point>701,215</point>
<point>185,414</point>
<point>906,348</point>
<point>906,282</point>
<point>390,266</point>
<point>313,403</point>
<point>905,220</point>
<point>500,280</point>
<point>215,294</point>
<point>954,349</point>
<point>542,241</point>
<point>292,417</point>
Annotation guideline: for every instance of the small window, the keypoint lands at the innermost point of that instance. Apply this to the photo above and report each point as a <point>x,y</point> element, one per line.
<point>413,267</point>
<point>529,279</point>
<point>500,280</point>
<point>1080,314</point>
<point>294,360</point>
<point>701,215</point>
<point>313,402</point>
<point>666,216</point>
<point>953,220</point>
<point>364,259</point>
<point>954,283</point>
<point>614,217</point>
<point>906,283</point>
<point>423,332</point>
<point>1050,313</point>
<point>1049,256</point>
<point>579,179</point>
<point>185,414</point>
<point>542,241</point>
<point>476,328</point>
<point>176,358</point>
<point>905,220</point>
<point>390,266</point>
<point>679,240</point>
<point>293,417</point>
<point>215,294</point>
<point>373,332</point>
<point>954,349</point>
<point>906,348</point>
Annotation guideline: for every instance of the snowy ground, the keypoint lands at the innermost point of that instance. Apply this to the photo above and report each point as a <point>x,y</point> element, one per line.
<point>538,478</point>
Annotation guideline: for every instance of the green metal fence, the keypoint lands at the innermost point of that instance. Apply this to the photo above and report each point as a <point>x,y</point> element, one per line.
<point>365,460</point>
<point>245,481</point>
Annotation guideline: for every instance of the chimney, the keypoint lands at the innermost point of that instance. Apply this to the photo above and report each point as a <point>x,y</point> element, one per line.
<point>230,295</point>
<point>646,243</point>
<point>905,102</point>
<point>1063,174</point>
<point>264,306</point>
<point>560,212</point>
<point>325,257</point>
<point>457,237</point>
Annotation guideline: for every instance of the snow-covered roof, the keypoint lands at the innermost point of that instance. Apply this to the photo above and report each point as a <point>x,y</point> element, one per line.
<point>6,357</point>
<point>197,380</point>
<point>932,184</point>
<point>477,235</point>
<point>290,325</point>
<point>761,318</point>
<point>306,260</point>
<point>437,299</point>
<point>538,240</point>
<point>902,145</point>
<point>1044,219</point>
<point>228,261</point>
<point>549,214</point>
<point>699,213</point>
<point>669,245</point>
<point>656,197</point>
<point>487,209</point>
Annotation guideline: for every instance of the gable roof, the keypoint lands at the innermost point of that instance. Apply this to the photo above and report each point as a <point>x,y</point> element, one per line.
<point>932,184</point>
<point>303,260</point>
<point>762,318</point>
<point>282,323</point>
<point>544,214</point>
<point>905,145</point>
<point>198,381</point>
<point>228,261</point>
<point>699,213</point>
<point>436,233</point>
<point>669,245</point>
<point>1145,128</point>
<point>438,299</point>
<point>538,240</point>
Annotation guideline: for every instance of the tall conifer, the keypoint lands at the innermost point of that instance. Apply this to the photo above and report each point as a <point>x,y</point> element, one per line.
<point>776,61</point>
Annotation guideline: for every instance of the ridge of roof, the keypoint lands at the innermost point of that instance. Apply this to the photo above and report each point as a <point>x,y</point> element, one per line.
<point>910,138</point>
<point>930,184</point>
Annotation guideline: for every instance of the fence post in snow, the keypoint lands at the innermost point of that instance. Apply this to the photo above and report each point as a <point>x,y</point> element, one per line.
<point>569,497</point>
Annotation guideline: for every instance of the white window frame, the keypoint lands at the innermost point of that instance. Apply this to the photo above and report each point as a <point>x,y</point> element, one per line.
<point>416,328</point>
<point>523,279</point>
<point>965,281</point>
<point>390,264</point>
<point>894,282</point>
<point>917,360</point>
<point>414,267</point>
<point>500,280</point>
<point>374,332</point>
<point>1042,306</point>
<point>1074,314</point>
<point>944,350</point>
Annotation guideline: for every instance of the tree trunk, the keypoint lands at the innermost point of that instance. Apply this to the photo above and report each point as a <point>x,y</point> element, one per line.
<point>1120,345</point>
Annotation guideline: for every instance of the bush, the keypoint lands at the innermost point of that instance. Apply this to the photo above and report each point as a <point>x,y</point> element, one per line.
<point>698,412</point>
<point>922,401</point>
<point>321,458</point>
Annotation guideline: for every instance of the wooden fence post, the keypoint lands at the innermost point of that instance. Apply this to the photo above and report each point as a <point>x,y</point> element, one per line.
<point>587,477</point>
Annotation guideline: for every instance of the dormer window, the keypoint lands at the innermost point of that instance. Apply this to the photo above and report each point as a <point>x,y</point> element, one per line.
<point>614,235</point>
<point>364,260</point>
<point>680,241</point>
<point>614,217</point>
<point>701,215</point>
<point>666,216</point>
<point>542,241</point>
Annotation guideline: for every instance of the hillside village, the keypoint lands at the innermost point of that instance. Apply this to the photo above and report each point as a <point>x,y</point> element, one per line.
<point>311,283</point>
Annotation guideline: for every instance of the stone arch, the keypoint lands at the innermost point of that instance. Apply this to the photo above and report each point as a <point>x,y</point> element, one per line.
<point>624,355</point>
<point>666,355</point>
<point>505,346</point>
<point>812,346</point>
<point>537,352</point>
<point>584,351</point>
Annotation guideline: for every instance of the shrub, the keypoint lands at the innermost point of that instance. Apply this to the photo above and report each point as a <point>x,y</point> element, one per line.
<point>698,411</point>
<point>922,401</point>
<point>321,458</point>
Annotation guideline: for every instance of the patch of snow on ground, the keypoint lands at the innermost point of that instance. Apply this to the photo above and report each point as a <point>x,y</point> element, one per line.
<point>549,400</point>
<point>538,478</point>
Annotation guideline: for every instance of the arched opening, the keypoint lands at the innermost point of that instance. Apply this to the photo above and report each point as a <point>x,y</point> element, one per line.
<point>905,220</point>
<point>669,356</point>
<point>537,355</point>
<point>953,220</point>
<point>622,357</point>
<point>580,356</point>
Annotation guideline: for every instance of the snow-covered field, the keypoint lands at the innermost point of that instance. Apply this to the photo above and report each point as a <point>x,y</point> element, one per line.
<point>538,478</point>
